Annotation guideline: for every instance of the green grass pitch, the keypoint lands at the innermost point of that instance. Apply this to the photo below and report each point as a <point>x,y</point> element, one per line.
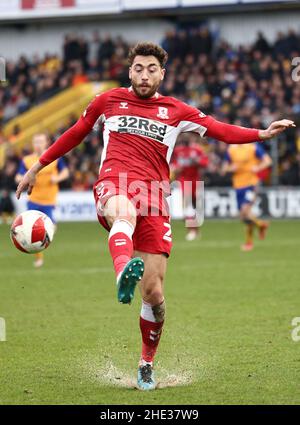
<point>227,337</point>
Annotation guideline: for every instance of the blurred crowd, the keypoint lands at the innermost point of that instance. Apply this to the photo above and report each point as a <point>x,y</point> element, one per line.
<point>249,85</point>
<point>32,81</point>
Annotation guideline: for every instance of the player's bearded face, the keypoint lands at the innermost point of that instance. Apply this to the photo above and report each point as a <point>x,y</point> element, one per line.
<point>146,76</point>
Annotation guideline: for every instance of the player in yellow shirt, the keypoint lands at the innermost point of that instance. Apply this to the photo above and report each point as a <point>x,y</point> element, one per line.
<point>44,194</point>
<point>245,161</point>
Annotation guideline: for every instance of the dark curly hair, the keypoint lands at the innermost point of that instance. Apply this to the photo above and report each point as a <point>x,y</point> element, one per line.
<point>148,49</point>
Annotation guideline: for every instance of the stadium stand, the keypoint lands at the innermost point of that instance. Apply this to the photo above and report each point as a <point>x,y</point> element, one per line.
<point>248,85</point>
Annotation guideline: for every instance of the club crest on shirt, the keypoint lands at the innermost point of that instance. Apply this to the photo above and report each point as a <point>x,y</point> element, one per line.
<point>162,113</point>
<point>123,105</point>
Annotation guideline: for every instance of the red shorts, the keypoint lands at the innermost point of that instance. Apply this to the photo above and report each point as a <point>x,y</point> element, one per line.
<point>153,229</point>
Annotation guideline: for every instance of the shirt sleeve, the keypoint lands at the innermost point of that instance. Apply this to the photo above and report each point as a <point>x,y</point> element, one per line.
<point>61,164</point>
<point>259,151</point>
<point>196,121</point>
<point>74,135</point>
<point>22,169</point>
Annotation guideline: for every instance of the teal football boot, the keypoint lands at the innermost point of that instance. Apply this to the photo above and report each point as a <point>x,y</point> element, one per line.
<point>145,379</point>
<point>129,277</point>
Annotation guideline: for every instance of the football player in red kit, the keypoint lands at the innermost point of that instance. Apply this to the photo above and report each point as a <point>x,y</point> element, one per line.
<point>140,128</point>
<point>188,160</point>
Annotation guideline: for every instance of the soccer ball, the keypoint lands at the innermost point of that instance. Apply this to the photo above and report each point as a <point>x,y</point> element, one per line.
<point>32,231</point>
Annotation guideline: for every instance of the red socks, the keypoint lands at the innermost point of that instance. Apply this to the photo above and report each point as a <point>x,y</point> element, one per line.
<point>151,330</point>
<point>152,317</point>
<point>120,244</point>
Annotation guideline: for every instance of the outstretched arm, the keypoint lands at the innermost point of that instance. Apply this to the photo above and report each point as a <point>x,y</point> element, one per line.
<point>194,120</point>
<point>233,134</point>
<point>67,141</point>
<point>63,144</point>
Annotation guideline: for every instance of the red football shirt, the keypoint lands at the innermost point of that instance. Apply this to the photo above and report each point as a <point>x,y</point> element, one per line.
<point>188,161</point>
<point>140,134</point>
